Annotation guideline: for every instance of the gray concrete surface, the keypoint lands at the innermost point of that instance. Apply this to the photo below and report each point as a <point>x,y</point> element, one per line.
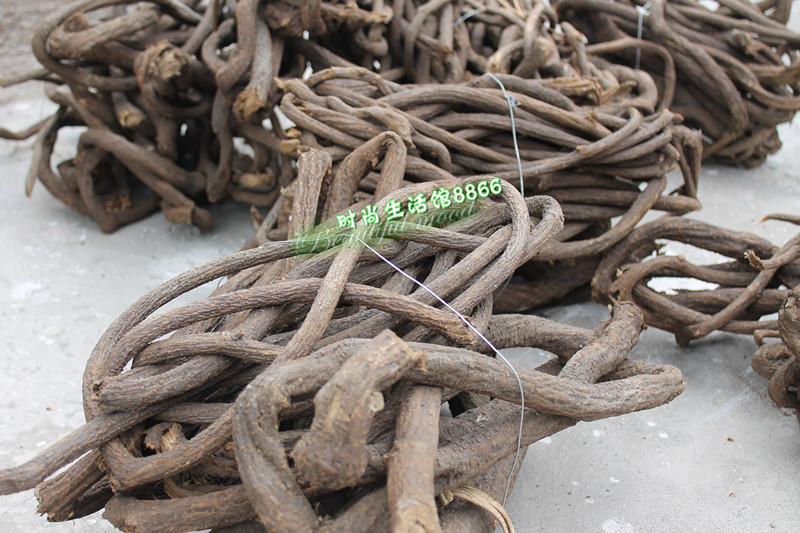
<point>721,457</point>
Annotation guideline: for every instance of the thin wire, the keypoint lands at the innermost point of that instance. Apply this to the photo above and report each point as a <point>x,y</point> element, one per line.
<point>469,14</point>
<point>484,339</point>
<point>26,500</point>
<point>705,137</point>
<point>512,103</point>
<point>643,12</point>
<point>177,4</point>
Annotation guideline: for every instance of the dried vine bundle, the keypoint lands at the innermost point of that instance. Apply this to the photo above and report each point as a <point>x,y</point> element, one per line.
<point>732,71</point>
<point>760,279</point>
<point>452,41</point>
<point>598,161</point>
<point>779,362</point>
<point>304,391</point>
<point>177,103</point>
<point>174,115</point>
<point>178,99</point>
<point>438,41</point>
<point>464,129</point>
<point>746,288</point>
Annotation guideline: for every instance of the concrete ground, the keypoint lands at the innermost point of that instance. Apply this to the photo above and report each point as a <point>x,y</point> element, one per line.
<point>720,457</point>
